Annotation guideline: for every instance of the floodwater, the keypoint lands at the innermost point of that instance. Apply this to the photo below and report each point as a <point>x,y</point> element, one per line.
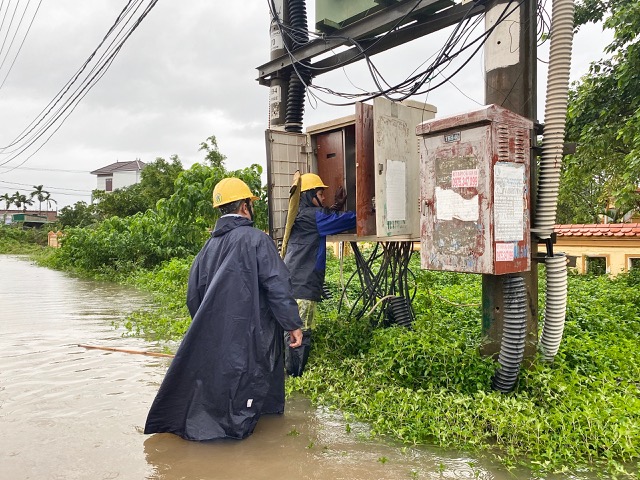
<point>68,412</point>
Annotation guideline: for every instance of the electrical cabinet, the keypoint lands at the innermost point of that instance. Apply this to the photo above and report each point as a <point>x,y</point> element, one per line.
<point>373,154</point>
<point>335,14</point>
<point>475,192</point>
<point>286,154</point>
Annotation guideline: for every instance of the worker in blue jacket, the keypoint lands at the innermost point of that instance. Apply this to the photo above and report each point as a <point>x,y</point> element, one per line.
<point>229,369</point>
<point>306,256</point>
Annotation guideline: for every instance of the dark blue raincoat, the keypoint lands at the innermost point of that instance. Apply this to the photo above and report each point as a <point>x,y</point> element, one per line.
<point>306,255</point>
<point>229,368</point>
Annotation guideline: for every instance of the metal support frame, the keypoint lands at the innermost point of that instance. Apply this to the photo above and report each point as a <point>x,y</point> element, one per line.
<point>367,28</point>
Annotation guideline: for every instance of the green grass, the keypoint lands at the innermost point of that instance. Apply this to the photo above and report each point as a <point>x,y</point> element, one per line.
<point>429,385</point>
<point>16,241</point>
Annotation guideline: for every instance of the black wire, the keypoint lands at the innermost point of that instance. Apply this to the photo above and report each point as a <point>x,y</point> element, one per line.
<point>448,45</point>
<point>294,60</point>
<point>80,92</point>
<point>2,5</point>
<point>412,84</point>
<point>48,186</point>
<point>20,47</point>
<point>391,278</point>
<point>61,94</point>
<point>9,27</point>
<point>326,37</point>
<point>15,34</point>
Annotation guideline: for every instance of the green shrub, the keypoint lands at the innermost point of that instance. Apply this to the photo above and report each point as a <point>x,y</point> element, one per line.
<point>15,239</point>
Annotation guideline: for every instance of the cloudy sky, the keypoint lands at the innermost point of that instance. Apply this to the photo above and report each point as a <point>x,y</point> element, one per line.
<point>188,72</point>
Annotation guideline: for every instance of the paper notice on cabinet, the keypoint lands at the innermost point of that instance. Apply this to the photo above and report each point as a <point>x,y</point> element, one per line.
<point>450,205</point>
<point>508,201</point>
<point>396,186</point>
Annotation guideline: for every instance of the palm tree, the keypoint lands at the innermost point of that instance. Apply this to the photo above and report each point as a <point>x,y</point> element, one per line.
<point>49,200</point>
<point>8,201</point>
<point>40,194</point>
<point>21,200</point>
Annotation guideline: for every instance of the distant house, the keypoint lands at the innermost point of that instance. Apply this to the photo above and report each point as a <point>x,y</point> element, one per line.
<point>600,248</point>
<point>118,175</point>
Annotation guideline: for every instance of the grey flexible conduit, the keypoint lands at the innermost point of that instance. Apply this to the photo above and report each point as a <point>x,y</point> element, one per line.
<point>550,169</point>
<point>554,117</point>
<point>556,306</point>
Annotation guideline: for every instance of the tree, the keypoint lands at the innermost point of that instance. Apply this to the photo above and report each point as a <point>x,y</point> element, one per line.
<point>122,202</point>
<point>49,201</point>
<point>157,182</point>
<point>80,215</point>
<point>21,201</point>
<point>158,179</point>
<point>8,201</point>
<point>604,119</point>
<point>213,156</point>
<point>40,194</point>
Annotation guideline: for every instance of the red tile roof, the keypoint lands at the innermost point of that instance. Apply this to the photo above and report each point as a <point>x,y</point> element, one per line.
<point>598,230</point>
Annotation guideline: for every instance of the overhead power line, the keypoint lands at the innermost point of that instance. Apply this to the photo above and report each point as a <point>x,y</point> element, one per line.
<point>52,117</point>
<point>42,169</point>
<point>30,185</point>
<point>15,57</point>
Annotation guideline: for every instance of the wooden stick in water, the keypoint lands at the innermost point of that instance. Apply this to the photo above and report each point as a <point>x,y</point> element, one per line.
<point>124,350</point>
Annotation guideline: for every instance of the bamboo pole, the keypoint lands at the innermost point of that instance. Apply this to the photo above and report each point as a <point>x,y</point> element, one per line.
<point>124,350</point>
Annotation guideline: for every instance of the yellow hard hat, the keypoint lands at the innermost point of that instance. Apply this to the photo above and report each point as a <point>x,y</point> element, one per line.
<point>230,190</point>
<point>310,181</point>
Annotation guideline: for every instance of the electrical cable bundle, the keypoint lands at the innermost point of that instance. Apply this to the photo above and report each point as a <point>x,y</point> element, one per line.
<point>389,286</point>
<point>53,116</point>
<point>416,83</point>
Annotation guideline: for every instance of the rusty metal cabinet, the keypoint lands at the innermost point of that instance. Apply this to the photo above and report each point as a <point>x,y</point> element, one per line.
<point>475,192</point>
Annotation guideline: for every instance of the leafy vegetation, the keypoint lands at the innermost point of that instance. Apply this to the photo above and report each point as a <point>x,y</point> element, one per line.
<point>157,181</point>
<point>15,240</point>
<point>602,177</point>
<point>430,385</point>
<point>167,215</point>
<point>169,318</point>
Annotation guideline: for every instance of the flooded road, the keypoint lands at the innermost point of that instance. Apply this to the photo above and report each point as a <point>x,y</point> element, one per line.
<point>68,412</point>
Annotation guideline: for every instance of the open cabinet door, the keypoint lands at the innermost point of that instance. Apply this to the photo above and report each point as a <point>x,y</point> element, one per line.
<point>397,165</point>
<point>286,153</point>
<point>365,172</point>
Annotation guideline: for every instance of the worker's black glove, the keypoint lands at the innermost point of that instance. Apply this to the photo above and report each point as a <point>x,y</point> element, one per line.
<point>339,199</point>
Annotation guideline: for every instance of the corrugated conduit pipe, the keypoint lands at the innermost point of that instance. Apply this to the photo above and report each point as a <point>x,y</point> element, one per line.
<point>556,306</point>
<point>513,334</point>
<point>549,174</point>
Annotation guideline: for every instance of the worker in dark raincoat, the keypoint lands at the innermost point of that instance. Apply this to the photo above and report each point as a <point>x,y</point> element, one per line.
<point>306,256</point>
<point>229,368</point>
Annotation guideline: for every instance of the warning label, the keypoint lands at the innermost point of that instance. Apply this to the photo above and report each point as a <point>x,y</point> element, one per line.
<point>464,178</point>
<point>504,252</point>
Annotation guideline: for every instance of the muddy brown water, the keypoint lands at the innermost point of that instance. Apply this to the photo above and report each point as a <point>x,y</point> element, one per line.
<point>67,412</point>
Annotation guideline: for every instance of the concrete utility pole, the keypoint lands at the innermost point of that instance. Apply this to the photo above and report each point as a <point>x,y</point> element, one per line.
<point>510,66</point>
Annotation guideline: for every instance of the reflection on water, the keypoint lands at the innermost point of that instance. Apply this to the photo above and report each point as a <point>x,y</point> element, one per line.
<point>72,413</point>
<point>305,443</point>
